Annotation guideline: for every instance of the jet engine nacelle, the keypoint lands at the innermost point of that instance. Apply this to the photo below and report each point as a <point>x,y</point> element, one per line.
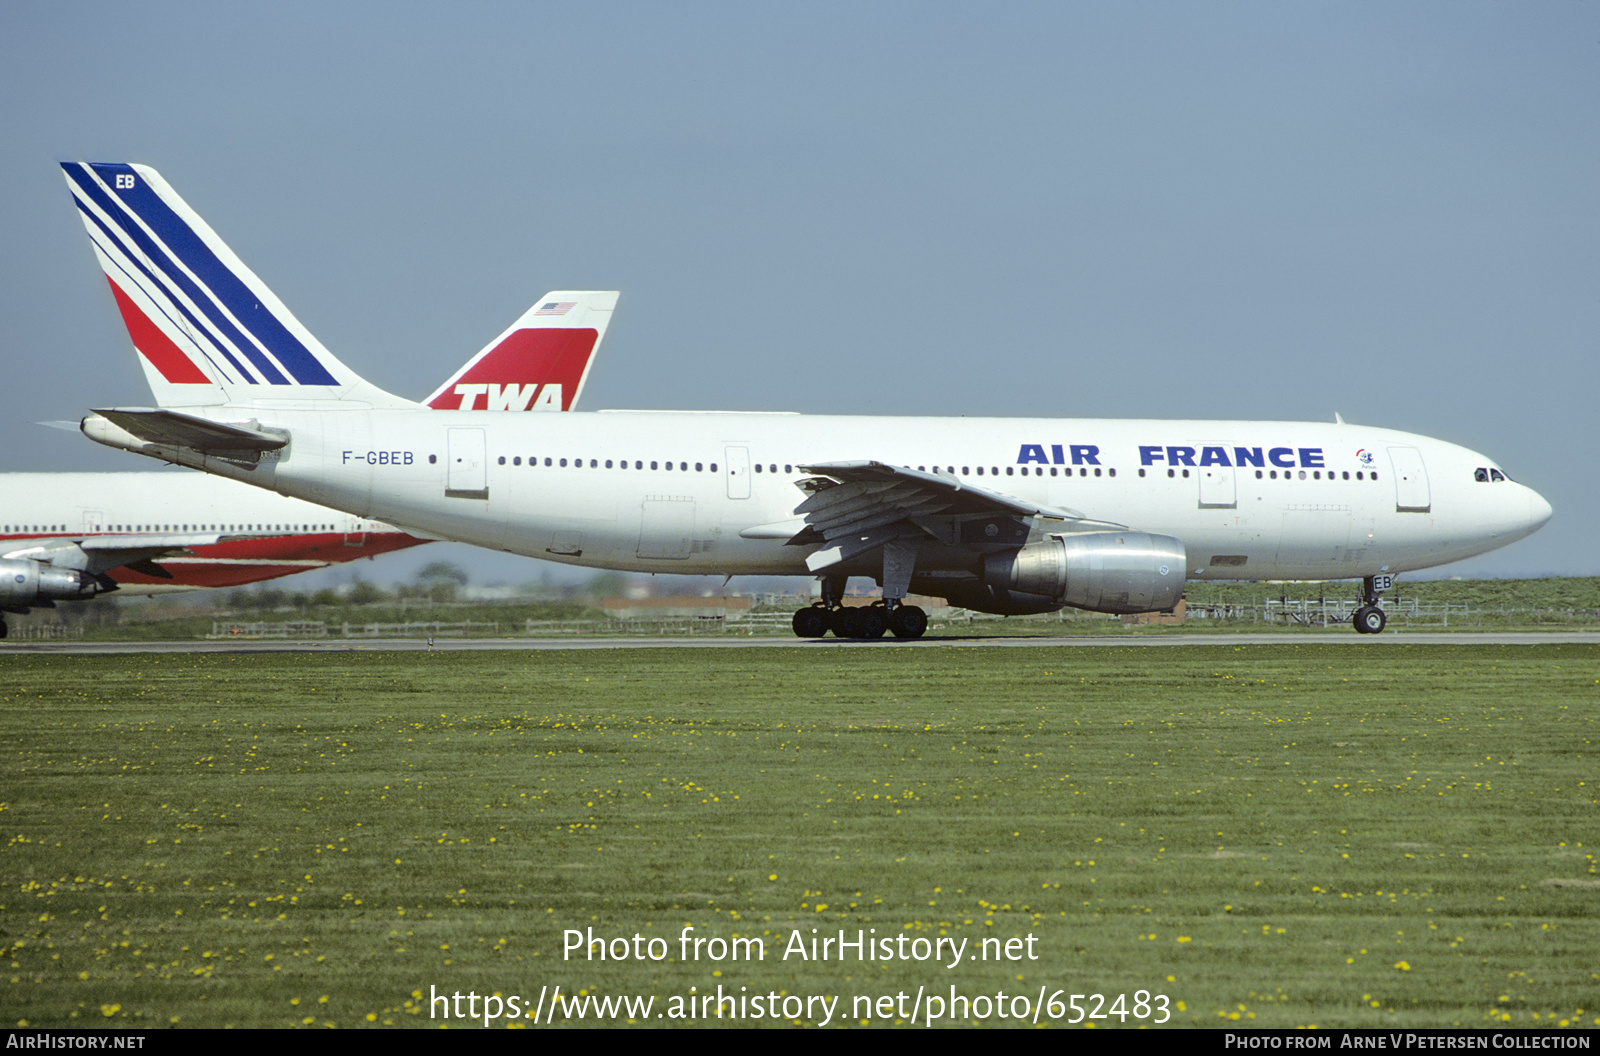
<point>26,582</point>
<point>1119,572</point>
<point>975,594</point>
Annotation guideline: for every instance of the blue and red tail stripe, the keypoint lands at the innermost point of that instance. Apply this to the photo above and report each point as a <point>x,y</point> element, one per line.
<point>141,224</point>
<point>175,366</point>
<point>114,248</point>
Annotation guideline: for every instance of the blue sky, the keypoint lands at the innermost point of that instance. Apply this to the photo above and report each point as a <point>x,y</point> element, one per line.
<point>1228,210</point>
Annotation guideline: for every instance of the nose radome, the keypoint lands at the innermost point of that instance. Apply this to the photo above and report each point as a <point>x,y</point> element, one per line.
<point>1539,511</point>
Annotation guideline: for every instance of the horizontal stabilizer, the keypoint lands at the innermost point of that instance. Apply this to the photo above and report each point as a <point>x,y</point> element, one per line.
<point>132,428</point>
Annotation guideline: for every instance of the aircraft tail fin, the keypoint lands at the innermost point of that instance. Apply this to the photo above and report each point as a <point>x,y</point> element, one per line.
<point>540,363</point>
<point>208,331</point>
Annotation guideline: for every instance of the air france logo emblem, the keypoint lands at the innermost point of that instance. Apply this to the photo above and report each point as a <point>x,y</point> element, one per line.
<point>1364,457</point>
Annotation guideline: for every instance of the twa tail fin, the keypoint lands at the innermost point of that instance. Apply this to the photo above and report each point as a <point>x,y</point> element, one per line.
<point>208,331</point>
<point>540,363</point>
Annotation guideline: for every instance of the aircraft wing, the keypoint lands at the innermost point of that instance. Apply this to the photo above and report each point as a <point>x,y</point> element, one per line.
<point>98,554</point>
<point>854,507</point>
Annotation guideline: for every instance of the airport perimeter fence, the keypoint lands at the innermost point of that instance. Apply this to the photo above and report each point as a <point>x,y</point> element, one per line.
<point>1311,612</point>
<point>665,627</point>
<point>1319,612</point>
<point>1278,612</point>
<point>39,630</point>
<point>318,629</point>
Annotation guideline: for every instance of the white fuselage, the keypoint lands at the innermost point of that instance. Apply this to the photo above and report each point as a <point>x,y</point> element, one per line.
<point>1248,500</point>
<point>268,535</point>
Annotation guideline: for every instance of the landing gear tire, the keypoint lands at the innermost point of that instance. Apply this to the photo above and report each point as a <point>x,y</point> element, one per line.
<point>811,622</point>
<point>908,621</point>
<point>842,622</point>
<point>1369,619</point>
<point>4,630</point>
<point>857,622</point>
<point>871,622</point>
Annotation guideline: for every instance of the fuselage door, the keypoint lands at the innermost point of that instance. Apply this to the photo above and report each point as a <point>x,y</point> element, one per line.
<point>666,527</point>
<point>1216,488</point>
<point>1410,480</point>
<point>738,460</point>
<point>467,475</point>
<point>94,522</point>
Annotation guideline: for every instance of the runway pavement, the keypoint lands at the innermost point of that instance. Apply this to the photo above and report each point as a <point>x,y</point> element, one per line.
<point>1344,637</point>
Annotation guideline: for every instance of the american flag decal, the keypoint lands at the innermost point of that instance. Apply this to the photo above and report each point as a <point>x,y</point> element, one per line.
<point>555,308</point>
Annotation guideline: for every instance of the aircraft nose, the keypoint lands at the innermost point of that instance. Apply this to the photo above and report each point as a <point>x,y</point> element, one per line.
<point>1539,511</point>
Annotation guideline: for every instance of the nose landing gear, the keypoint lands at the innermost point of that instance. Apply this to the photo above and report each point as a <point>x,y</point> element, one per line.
<point>1369,618</point>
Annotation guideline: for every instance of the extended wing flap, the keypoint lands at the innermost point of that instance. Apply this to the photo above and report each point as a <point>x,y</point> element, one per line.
<point>852,508</point>
<point>875,518</point>
<point>954,496</point>
<point>848,548</point>
<point>828,516</point>
<point>846,496</point>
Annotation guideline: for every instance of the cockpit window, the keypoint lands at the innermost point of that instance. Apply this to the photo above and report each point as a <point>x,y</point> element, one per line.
<point>1480,475</point>
<point>1495,474</point>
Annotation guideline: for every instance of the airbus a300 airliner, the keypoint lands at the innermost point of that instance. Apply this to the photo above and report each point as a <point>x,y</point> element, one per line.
<point>1000,515</point>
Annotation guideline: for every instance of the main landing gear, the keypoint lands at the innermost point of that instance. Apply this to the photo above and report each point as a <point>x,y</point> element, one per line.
<point>888,616</point>
<point>1369,618</point>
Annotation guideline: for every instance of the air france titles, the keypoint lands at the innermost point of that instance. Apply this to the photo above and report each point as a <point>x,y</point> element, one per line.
<point>1079,454</point>
<point>1281,457</point>
<point>1176,455</point>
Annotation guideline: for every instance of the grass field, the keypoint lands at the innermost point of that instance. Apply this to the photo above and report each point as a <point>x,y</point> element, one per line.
<point>1264,835</point>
